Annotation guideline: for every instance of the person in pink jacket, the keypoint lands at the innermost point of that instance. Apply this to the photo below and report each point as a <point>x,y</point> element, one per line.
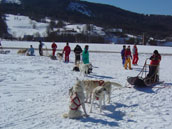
<point>67,50</point>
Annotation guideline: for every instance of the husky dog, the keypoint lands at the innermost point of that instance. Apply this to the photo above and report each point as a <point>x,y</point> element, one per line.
<point>89,85</point>
<point>98,94</point>
<point>22,51</point>
<point>76,67</point>
<point>60,56</point>
<point>76,100</point>
<point>85,68</point>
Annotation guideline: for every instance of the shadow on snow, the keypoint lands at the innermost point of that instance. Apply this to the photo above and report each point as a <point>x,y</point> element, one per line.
<point>116,115</point>
<point>99,76</point>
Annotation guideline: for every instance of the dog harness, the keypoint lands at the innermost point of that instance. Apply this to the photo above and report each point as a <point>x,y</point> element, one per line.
<point>101,82</point>
<point>75,99</point>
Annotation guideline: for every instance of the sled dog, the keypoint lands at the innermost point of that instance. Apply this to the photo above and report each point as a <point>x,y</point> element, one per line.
<point>22,51</point>
<point>98,94</point>
<point>89,85</point>
<point>60,56</point>
<point>76,100</point>
<point>85,68</point>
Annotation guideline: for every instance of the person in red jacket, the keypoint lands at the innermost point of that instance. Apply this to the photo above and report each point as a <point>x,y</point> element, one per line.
<point>135,55</point>
<point>54,47</point>
<point>128,58</point>
<point>67,50</point>
<point>154,64</point>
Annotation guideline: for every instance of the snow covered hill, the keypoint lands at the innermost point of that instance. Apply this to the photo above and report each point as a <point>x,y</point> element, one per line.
<point>20,26</point>
<point>34,91</point>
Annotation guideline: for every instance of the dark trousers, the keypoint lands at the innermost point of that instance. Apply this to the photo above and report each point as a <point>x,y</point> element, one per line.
<point>153,70</point>
<point>77,58</point>
<point>40,52</point>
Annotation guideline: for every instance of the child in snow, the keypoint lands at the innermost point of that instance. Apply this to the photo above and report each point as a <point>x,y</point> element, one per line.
<point>135,55</point>
<point>54,47</point>
<point>123,54</point>
<point>66,50</point>
<point>128,58</point>
<point>31,51</point>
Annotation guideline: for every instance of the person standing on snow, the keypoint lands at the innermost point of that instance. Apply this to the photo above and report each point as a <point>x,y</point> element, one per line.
<point>135,55</point>
<point>66,50</point>
<point>54,47</point>
<point>128,58</point>
<point>85,55</point>
<point>77,51</point>
<point>40,48</point>
<point>123,54</point>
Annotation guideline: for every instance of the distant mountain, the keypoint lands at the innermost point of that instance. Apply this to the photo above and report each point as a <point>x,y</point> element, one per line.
<point>106,16</point>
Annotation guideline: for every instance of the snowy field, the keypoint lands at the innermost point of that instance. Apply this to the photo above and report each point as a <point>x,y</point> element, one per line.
<point>34,91</point>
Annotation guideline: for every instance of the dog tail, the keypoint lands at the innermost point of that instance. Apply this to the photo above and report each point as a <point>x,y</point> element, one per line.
<point>116,84</point>
<point>65,115</point>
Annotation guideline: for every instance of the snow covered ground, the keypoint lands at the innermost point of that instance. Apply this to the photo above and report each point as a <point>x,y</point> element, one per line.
<point>34,91</point>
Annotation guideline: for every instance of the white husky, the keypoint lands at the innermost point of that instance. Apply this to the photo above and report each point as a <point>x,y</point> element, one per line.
<point>85,68</point>
<point>98,94</point>
<point>89,85</point>
<point>76,100</point>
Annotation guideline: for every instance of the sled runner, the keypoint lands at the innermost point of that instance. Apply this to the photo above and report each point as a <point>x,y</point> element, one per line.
<point>5,52</point>
<point>143,80</point>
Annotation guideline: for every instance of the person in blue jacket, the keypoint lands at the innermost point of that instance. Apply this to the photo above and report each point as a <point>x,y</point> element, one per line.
<point>123,54</point>
<point>31,51</point>
<point>85,55</point>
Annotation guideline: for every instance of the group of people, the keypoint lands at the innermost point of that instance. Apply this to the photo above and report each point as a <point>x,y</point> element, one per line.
<point>77,50</point>
<point>66,51</point>
<point>155,59</point>
<point>127,56</point>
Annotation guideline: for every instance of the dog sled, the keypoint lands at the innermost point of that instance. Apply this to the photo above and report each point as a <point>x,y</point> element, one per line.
<point>4,52</point>
<point>143,80</point>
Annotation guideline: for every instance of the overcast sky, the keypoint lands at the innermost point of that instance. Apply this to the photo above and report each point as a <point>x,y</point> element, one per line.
<point>163,7</point>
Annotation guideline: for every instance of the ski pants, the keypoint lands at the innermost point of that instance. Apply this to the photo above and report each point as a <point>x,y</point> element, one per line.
<point>127,61</point>
<point>66,58</point>
<point>77,58</point>
<point>123,61</point>
<point>54,51</point>
<point>135,59</point>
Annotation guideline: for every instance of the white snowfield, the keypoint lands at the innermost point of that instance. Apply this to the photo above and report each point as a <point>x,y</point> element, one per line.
<point>34,91</point>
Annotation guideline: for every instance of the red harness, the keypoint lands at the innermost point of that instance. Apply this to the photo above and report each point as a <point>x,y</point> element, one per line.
<point>75,98</point>
<point>101,82</point>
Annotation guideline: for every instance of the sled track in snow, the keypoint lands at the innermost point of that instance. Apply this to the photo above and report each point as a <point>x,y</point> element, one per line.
<point>92,51</point>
